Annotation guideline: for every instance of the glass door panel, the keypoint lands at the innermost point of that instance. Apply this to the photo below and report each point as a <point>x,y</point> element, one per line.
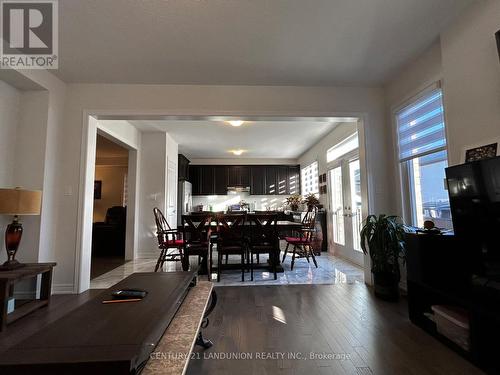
<point>355,192</point>
<point>337,206</point>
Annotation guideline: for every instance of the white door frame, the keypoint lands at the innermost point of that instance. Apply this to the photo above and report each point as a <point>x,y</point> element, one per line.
<point>86,200</point>
<point>86,190</point>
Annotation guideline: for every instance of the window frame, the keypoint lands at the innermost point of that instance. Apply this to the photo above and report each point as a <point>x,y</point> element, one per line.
<point>403,171</point>
<point>303,185</point>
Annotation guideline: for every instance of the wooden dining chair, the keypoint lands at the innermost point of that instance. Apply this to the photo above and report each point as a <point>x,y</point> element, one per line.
<point>170,243</point>
<point>231,240</point>
<point>263,239</point>
<point>196,230</point>
<point>302,240</point>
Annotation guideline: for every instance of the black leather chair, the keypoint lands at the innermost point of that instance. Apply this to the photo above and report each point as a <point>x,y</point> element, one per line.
<point>108,237</point>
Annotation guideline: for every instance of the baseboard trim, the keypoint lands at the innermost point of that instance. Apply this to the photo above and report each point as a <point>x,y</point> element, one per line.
<point>63,289</point>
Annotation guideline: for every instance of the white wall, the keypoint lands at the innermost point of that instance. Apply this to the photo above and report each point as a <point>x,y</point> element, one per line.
<point>152,189</point>
<point>318,151</point>
<point>471,70</point>
<point>10,99</point>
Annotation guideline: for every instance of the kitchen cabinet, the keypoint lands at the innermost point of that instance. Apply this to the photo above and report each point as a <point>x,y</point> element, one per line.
<point>195,178</point>
<point>262,179</point>
<point>258,180</point>
<point>220,180</point>
<point>183,168</point>
<point>238,175</point>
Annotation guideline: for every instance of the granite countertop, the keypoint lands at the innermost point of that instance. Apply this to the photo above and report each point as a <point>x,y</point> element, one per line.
<point>171,355</point>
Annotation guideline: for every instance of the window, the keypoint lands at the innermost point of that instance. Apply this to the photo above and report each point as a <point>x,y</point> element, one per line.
<point>347,145</point>
<point>309,176</point>
<point>423,158</point>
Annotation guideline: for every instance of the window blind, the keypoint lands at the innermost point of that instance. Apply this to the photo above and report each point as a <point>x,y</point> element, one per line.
<point>421,126</point>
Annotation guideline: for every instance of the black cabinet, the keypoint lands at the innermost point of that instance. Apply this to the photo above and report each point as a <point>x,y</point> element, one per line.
<point>258,180</point>
<point>262,179</point>
<point>207,180</point>
<point>238,175</point>
<point>195,178</point>
<point>271,177</point>
<point>183,168</point>
<point>220,180</point>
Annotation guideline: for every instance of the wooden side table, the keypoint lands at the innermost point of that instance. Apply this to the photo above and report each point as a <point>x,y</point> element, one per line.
<point>9,278</point>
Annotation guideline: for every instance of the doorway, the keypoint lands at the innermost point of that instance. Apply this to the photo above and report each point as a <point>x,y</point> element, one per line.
<point>109,226</point>
<point>345,199</point>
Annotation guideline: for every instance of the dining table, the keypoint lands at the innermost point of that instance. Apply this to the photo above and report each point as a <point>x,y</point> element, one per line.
<point>284,227</point>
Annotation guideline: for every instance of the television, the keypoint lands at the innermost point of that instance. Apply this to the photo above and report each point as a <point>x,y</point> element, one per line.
<point>474,191</point>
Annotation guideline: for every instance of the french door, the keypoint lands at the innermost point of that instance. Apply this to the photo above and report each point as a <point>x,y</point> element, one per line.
<point>345,208</point>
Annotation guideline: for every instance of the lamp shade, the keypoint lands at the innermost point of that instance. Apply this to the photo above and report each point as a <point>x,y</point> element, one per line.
<point>20,202</point>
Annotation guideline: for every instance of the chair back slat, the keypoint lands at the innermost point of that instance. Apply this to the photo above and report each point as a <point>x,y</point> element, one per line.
<point>162,227</point>
<point>309,223</point>
<point>196,228</point>
<point>263,228</point>
<point>230,228</point>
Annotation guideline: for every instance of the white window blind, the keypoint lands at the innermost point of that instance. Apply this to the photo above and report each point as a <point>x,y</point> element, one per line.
<point>310,179</point>
<point>421,126</point>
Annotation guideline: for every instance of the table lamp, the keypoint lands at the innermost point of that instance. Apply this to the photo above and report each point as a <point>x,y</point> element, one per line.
<point>17,202</point>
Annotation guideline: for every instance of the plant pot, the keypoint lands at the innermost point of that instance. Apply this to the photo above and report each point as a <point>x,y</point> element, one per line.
<point>386,286</point>
<point>294,207</point>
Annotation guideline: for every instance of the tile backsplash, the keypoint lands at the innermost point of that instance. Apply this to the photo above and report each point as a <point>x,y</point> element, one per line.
<point>256,202</point>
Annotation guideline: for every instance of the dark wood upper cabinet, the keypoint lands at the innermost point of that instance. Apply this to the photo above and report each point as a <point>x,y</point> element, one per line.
<point>262,179</point>
<point>238,175</point>
<point>183,166</point>
<point>220,180</point>
<point>294,179</point>
<point>271,178</point>
<point>195,178</point>
<point>282,180</point>
<point>207,180</point>
<point>258,180</point>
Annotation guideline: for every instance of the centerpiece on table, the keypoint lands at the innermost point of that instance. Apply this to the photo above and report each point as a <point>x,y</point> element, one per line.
<point>293,201</point>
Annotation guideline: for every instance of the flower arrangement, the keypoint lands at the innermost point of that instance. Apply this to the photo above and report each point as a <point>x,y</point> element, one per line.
<point>294,201</point>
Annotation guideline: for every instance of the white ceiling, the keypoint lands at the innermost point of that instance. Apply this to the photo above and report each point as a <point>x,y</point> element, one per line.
<point>253,42</point>
<point>260,139</point>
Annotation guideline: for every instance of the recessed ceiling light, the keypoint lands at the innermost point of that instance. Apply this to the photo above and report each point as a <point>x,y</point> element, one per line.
<point>237,152</point>
<point>235,122</point>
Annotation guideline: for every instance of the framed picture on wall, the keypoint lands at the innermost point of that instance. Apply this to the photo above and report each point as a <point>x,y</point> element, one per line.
<point>97,189</point>
<point>481,152</point>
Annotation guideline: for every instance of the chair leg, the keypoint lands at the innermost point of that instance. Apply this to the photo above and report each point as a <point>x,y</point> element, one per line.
<point>286,251</point>
<point>258,260</point>
<point>160,257</point>
<point>313,256</point>
<point>293,256</point>
<point>227,258</point>
<point>251,266</point>
<point>242,266</point>
<point>275,266</point>
<point>219,264</point>
<point>306,254</point>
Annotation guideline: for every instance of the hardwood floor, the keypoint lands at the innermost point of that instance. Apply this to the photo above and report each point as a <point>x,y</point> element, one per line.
<point>365,335</point>
<point>362,334</point>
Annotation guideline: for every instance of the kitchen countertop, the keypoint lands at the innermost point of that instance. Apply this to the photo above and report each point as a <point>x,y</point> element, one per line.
<point>171,355</point>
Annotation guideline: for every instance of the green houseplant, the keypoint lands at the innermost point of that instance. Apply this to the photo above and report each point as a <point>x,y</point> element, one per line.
<point>383,238</point>
<point>293,201</point>
<point>311,200</point>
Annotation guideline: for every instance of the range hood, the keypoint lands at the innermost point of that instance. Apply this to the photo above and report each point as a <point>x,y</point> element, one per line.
<point>238,189</point>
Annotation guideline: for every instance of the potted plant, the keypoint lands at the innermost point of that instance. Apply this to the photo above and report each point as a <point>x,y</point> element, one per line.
<point>293,201</point>
<point>311,201</point>
<point>383,238</point>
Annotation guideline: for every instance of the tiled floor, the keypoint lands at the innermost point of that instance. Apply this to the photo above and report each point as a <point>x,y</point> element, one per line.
<point>331,270</point>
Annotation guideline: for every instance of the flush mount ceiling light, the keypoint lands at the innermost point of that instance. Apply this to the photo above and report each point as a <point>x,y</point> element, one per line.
<point>237,152</point>
<point>235,123</point>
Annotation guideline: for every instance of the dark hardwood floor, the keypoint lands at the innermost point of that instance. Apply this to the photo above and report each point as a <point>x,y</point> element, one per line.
<point>364,335</point>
